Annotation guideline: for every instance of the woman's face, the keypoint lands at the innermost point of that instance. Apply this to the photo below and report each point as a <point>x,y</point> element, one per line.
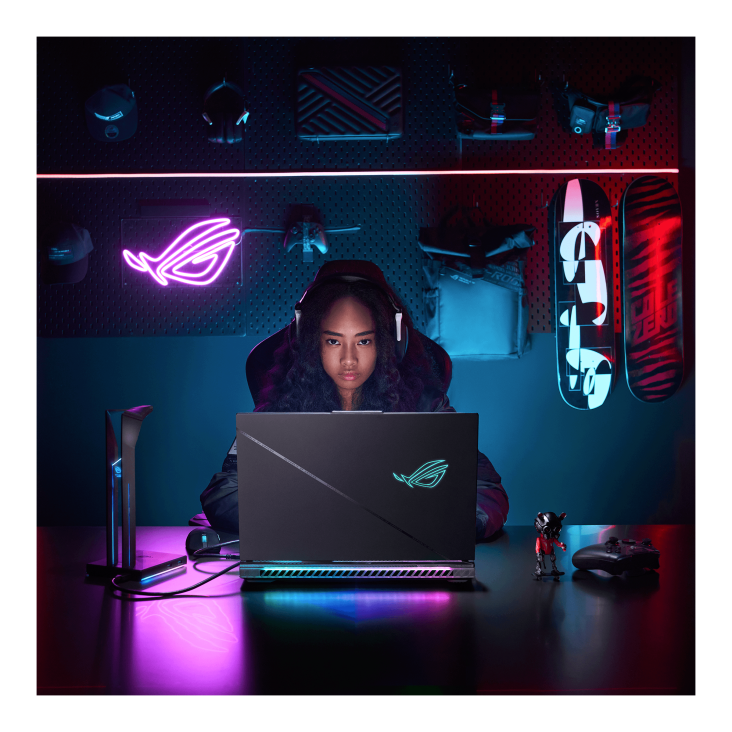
<point>348,345</point>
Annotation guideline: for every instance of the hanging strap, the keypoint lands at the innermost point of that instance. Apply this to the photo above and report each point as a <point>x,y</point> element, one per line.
<point>498,116</point>
<point>613,125</point>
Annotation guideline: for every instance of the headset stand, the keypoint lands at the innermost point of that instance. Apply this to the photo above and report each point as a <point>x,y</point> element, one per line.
<point>136,564</point>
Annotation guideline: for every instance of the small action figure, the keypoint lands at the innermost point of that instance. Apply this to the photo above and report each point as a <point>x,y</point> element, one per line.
<point>549,526</point>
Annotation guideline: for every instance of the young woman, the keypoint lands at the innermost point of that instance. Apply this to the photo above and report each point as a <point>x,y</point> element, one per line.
<point>342,354</point>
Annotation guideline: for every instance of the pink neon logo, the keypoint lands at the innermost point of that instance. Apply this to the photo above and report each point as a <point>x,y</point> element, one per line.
<point>196,257</point>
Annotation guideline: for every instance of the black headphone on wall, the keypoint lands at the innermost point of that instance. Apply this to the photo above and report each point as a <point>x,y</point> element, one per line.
<point>355,271</point>
<point>225,111</point>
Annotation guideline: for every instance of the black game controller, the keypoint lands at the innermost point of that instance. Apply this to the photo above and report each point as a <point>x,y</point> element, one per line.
<point>308,233</point>
<point>304,227</point>
<point>616,556</point>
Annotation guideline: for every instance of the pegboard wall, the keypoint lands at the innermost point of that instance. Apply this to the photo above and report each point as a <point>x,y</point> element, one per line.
<point>169,77</point>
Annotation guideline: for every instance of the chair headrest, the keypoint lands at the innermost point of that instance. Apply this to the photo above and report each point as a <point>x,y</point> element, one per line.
<point>344,270</point>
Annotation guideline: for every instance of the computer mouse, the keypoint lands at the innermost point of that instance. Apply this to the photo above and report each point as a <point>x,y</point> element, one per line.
<point>201,538</point>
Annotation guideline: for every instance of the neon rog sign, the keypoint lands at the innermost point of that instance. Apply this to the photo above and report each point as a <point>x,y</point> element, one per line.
<point>197,257</point>
<point>428,476</point>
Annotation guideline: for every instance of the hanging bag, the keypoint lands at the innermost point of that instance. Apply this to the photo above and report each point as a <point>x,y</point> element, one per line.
<point>475,302</point>
<point>607,119</point>
<point>501,112</point>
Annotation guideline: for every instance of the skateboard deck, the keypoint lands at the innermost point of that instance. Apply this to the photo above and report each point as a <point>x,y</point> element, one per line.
<point>651,232</point>
<point>583,287</point>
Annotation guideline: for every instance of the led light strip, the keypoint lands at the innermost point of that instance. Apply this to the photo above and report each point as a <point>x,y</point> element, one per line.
<point>355,173</point>
<point>330,572</point>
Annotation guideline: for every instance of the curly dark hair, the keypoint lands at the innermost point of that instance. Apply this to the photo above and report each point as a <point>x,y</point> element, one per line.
<point>298,382</point>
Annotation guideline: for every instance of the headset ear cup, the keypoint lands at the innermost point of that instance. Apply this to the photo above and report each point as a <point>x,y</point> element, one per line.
<point>216,130</point>
<point>230,129</point>
<point>401,346</point>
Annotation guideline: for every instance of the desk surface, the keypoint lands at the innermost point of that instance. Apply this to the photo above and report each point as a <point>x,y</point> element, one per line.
<point>505,633</point>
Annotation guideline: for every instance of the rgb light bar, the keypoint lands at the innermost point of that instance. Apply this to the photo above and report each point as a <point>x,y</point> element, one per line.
<point>328,571</point>
<point>357,173</point>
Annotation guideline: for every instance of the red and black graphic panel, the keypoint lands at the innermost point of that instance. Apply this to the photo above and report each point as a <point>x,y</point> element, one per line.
<point>652,309</point>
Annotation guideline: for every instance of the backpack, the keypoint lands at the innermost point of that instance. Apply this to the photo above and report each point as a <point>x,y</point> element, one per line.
<point>475,303</point>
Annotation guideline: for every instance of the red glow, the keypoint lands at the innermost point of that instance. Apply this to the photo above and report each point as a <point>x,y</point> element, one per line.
<point>355,173</point>
<point>573,690</point>
<point>605,531</point>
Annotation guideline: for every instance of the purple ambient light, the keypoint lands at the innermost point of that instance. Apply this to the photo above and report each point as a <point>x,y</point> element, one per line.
<point>207,246</point>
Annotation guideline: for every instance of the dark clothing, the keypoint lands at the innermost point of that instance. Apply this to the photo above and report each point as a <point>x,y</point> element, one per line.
<point>220,500</point>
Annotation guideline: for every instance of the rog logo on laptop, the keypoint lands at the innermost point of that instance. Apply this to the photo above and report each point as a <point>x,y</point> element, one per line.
<point>428,476</point>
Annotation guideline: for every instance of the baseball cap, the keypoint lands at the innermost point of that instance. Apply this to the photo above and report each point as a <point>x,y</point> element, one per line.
<point>65,251</point>
<point>111,113</point>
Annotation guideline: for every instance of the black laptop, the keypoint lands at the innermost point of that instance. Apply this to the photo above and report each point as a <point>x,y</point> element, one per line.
<point>357,495</point>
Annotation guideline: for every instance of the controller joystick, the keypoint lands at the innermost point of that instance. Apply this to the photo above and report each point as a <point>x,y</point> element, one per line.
<point>616,558</point>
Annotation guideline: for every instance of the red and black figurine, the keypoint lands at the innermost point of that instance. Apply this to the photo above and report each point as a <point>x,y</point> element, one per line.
<point>549,526</point>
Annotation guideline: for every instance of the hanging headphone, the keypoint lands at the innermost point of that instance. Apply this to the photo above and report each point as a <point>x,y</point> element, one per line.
<point>400,331</point>
<point>226,111</point>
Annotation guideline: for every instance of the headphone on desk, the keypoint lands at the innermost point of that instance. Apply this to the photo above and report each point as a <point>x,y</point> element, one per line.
<point>356,270</point>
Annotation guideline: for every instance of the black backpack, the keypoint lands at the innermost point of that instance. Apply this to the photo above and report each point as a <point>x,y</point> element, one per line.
<point>607,119</point>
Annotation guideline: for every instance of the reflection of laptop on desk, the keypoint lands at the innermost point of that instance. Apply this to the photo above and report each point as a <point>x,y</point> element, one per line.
<point>357,495</point>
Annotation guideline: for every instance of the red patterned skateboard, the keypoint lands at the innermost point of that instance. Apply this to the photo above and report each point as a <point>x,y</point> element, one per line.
<point>651,234</point>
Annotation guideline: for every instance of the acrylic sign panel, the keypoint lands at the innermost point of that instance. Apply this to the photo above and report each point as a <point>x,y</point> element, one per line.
<point>182,252</point>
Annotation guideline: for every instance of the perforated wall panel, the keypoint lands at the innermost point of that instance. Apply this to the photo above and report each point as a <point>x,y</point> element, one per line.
<point>100,305</point>
<point>170,76</point>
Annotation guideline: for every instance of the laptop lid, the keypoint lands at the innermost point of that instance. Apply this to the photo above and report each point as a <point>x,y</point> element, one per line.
<point>357,486</point>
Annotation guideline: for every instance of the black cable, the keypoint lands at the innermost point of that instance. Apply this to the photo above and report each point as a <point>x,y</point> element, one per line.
<point>198,553</point>
<point>207,551</point>
<point>123,578</point>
